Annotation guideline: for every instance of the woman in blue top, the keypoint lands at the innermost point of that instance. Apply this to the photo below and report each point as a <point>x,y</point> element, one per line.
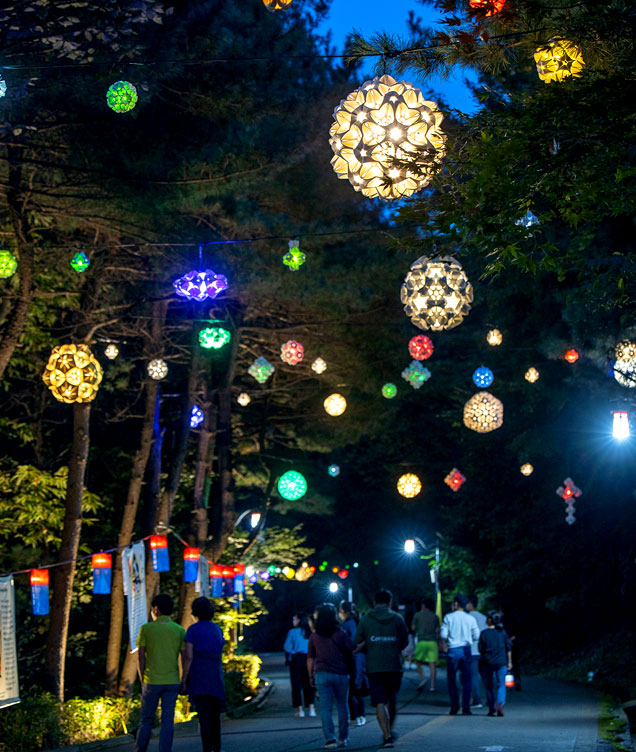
<point>203,673</point>
<point>296,653</point>
<point>496,658</point>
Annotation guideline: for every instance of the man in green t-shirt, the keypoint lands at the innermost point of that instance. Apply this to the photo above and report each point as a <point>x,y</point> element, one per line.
<point>160,642</point>
<point>426,628</point>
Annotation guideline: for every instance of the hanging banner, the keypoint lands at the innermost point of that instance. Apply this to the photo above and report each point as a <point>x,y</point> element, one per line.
<point>9,686</point>
<point>202,585</point>
<point>133,562</point>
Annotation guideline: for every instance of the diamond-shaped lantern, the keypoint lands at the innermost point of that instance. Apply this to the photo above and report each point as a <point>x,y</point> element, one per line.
<point>73,374</point>
<point>436,293</point>
<point>121,96</point>
<point>409,485</point>
<point>569,491</point>
<point>482,377</point>
<point>261,369</point>
<point>200,286</point>
<point>80,262</point>
<point>294,258</point>
<point>319,366</point>
<point>214,337</point>
<point>420,347</point>
<point>558,59</point>
<point>483,413</point>
<point>8,264</point>
<point>416,374</point>
<point>292,352</point>
<point>379,127</point>
<point>455,480</point>
<point>157,369</point>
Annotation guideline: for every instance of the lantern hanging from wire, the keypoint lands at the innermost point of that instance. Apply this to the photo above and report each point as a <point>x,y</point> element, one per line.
<point>531,375</point>
<point>494,338</point>
<point>319,366</point>
<point>292,485</point>
<point>420,347</point>
<point>111,351</point>
<point>216,581</point>
<point>526,469</point>
<point>488,7</point>
<point>482,377</point>
<point>261,369</point>
<point>483,413</point>
<point>273,5</point>
<point>214,337</point>
<point>292,352</point>
<point>8,264</point>
<point>294,258</point>
<point>436,293</point>
<point>80,262</point>
<point>455,480</point>
<point>190,564</point>
<point>409,485</point>
<point>571,356</point>
<point>558,59</point>
<point>157,369</point>
<point>239,578</point>
<point>121,96</point>
<point>244,399</point>
<point>200,286</point>
<point>159,553</point>
<point>416,374</point>
<point>102,565</point>
<point>197,416</point>
<point>389,390</point>
<point>40,591</point>
<point>335,404</point>
<point>333,470</point>
<point>73,374</point>
<point>386,139</point>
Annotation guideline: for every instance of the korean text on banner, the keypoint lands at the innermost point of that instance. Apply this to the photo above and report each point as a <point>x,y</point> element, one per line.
<point>9,687</point>
<point>134,572</point>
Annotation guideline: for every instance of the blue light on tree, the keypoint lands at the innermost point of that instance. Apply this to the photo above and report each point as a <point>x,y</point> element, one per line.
<point>196,416</point>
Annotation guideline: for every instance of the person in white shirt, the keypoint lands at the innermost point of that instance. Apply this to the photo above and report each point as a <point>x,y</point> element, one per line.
<point>471,608</point>
<point>459,631</point>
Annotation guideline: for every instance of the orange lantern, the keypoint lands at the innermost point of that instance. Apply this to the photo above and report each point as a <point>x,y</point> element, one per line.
<point>489,7</point>
<point>571,356</point>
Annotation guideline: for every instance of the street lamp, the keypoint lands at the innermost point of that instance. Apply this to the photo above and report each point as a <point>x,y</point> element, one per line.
<point>620,428</point>
<point>409,548</point>
<point>333,587</point>
<point>255,518</point>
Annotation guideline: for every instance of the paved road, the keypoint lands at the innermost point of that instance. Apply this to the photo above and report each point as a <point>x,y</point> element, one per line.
<point>547,715</point>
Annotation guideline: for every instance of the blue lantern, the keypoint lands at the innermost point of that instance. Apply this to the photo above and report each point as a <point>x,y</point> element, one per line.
<point>483,377</point>
<point>40,591</point>
<point>102,573</point>
<point>228,581</point>
<point>159,553</point>
<point>190,564</point>
<point>239,578</point>
<point>216,581</point>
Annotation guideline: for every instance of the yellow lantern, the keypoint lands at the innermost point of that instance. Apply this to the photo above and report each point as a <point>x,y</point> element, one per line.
<point>526,469</point>
<point>335,404</point>
<point>558,59</point>
<point>376,129</point>
<point>111,351</point>
<point>483,413</point>
<point>273,5</point>
<point>409,485</point>
<point>494,338</point>
<point>436,293</point>
<point>319,366</point>
<point>625,350</point>
<point>532,375</point>
<point>73,373</point>
<point>244,399</point>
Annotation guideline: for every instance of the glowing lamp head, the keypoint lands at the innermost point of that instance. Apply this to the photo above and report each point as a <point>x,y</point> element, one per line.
<point>157,369</point>
<point>80,262</point>
<point>482,377</point>
<point>292,352</point>
<point>102,561</point>
<point>319,366</point>
<point>526,469</point>
<point>334,471</point>
<point>494,338</point>
<point>409,485</point>
<point>620,427</point>
<point>111,351</point>
<point>409,546</point>
<point>255,518</point>
<point>196,416</point>
<point>8,264</point>
<point>335,404</point>
<point>333,587</point>
<point>389,390</point>
<point>571,356</point>
<point>532,375</point>
<point>121,96</point>
<point>214,337</point>
<point>292,485</point>
<point>420,347</point>
<point>558,59</point>
<point>73,374</point>
<point>244,399</point>
<point>216,571</point>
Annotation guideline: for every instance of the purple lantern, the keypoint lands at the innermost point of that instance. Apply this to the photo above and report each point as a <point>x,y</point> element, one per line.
<point>200,285</point>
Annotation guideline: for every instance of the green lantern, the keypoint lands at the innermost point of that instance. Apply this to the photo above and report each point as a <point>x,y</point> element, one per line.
<point>389,390</point>
<point>214,337</point>
<point>121,96</point>
<point>8,264</point>
<point>80,262</point>
<point>292,485</point>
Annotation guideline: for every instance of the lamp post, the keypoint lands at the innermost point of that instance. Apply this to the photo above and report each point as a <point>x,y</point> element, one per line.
<point>409,548</point>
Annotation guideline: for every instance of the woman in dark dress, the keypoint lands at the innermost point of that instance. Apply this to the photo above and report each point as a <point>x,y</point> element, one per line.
<point>203,673</point>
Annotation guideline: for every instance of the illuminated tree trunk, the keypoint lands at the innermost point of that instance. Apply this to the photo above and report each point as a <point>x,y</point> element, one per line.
<point>65,574</point>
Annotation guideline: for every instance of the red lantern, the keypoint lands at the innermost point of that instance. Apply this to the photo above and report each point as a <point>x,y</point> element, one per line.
<point>571,356</point>
<point>343,574</point>
<point>159,553</point>
<point>190,564</point>
<point>490,7</point>
<point>102,573</point>
<point>420,347</point>
<point>292,352</point>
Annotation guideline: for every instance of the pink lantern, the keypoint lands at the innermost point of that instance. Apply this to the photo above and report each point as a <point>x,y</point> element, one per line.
<point>455,480</point>
<point>420,347</point>
<point>292,352</point>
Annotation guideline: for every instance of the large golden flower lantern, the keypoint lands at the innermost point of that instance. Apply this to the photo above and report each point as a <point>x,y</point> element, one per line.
<point>558,59</point>
<point>409,485</point>
<point>379,127</point>
<point>483,413</point>
<point>436,293</point>
<point>273,5</point>
<point>73,373</point>
<point>335,404</point>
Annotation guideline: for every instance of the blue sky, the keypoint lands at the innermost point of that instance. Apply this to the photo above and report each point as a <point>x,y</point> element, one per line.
<point>370,16</point>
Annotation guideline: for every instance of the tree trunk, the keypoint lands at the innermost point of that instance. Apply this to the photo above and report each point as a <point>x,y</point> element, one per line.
<point>64,575</point>
<point>126,535</point>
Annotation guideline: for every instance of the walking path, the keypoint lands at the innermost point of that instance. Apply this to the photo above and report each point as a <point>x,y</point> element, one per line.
<point>547,716</point>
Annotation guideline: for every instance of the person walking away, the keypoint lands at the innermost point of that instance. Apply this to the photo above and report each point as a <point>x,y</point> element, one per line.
<point>458,631</point>
<point>426,628</point>
<point>359,685</point>
<point>160,643</point>
<point>384,636</point>
<point>496,658</point>
<point>471,608</point>
<point>296,652</point>
<point>330,664</point>
<point>203,673</point>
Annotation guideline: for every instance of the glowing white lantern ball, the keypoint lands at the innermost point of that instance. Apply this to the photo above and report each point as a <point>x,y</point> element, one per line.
<point>378,128</point>
<point>335,404</point>
<point>111,351</point>
<point>409,485</point>
<point>625,372</point>
<point>436,293</point>
<point>526,469</point>
<point>319,366</point>
<point>244,399</point>
<point>483,413</point>
<point>532,375</point>
<point>157,369</point>
<point>494,338</point>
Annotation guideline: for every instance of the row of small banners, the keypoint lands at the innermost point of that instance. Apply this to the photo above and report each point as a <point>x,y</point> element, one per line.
<point>221,580</point>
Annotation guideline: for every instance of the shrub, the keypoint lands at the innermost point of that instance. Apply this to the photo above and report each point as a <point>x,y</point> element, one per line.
<point>32,725</point>
<point>241,679</point>
<point>84,721</point>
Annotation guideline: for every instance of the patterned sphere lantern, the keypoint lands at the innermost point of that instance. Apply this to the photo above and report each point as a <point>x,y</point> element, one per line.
<point>335,404</point>
<point>389,390</point>
<point>420,347</point>
<point>292,485</point>
<point>526,469</point>
<point>319,366</point>
<point>294,258</point>
<point>494,338</point>
<point>416,374</point>
<point>488,7</point>
<point>436,293</point>
<point>376,129</point>
<point>121,96</point>
<point>333,470</point>
<point>273,5</point>
<point>244,399</point>
<point>73,374</point>
<point>482,377</point>
<point>532,375</point>
<point>261,369</point>
<point>214,337</point>
<point>292,352</point>
<point>200,286</point>
<point>625,350</point>
<point>157,369</point>
<point>483,413</point>
<point>409,485</point>
<point>558,59</point>
<point>111,351</point>
<point>80,262</point>
<point>8,264</point>
<point>571,356</point>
